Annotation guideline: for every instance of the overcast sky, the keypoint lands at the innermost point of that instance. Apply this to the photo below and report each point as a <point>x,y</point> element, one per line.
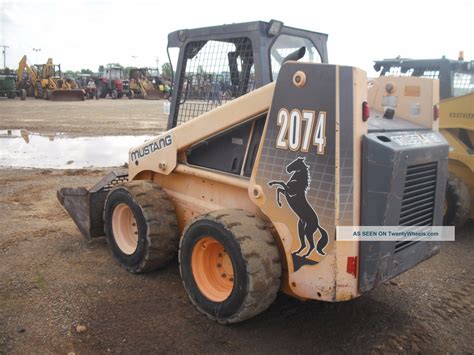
<point>87,33</point>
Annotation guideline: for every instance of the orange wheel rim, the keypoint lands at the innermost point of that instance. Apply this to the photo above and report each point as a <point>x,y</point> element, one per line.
<point>212,269</point>
<point>124,227</point>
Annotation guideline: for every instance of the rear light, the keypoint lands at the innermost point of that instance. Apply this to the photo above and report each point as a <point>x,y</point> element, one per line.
<point>352,265</point>
<point>435,112</point>
<point>365,111</point>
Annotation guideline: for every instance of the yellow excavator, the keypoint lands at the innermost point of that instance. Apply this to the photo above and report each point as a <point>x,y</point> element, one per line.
<point>48,82</point>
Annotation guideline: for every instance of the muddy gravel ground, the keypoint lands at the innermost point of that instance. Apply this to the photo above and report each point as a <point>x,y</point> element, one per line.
<point>52,280</point>
<point>84,118</point>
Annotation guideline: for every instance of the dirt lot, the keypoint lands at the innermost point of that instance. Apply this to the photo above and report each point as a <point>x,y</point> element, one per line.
<point>52,279</point>
<point>84,118</point>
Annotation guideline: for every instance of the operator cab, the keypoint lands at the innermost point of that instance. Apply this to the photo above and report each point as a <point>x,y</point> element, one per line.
<point>218,64</point>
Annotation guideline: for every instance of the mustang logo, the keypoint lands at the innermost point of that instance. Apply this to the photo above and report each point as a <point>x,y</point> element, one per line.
<point>308,222</point>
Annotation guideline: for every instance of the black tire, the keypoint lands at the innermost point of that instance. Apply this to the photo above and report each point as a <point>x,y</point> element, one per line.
<point>131,95</point>
<point>119,95</point>
<point>158,234</point>
<point>39,91</point>
<point>114,94</point>
<point>22,94</point>
<point>458,202</point>
<point>31,91</point>
<point>11,95</point>
<point>102,90</point>
<point>255,259</point>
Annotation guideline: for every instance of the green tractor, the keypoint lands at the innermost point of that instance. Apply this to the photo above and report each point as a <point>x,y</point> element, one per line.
<point>8,85</point>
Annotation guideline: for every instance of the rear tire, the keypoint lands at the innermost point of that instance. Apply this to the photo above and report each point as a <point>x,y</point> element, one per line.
<point>141,226</point>
<point>245,248</point>
<point>39,91</point>
<point>102,90</point>
<point>457,203</point>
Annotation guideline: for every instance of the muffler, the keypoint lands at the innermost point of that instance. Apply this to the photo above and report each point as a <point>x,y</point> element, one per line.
<point>86,206</point>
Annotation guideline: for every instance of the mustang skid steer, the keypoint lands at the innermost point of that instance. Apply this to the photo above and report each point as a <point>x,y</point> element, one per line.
<point>249,194</point>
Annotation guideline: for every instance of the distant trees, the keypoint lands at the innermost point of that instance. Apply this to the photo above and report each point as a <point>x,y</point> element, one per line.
<point>70,74</point>
<point>73,74</point>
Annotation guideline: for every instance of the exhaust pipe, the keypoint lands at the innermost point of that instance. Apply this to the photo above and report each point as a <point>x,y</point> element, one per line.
<point>86,206</point>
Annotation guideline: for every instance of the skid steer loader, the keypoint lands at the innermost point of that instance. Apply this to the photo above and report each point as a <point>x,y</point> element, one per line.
<point>456,79</point>
<point>249,194</point>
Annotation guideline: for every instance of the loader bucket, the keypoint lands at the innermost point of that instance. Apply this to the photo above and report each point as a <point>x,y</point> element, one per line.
<point>153,95</point>
<point>67,95</point>
<point>86,206</point>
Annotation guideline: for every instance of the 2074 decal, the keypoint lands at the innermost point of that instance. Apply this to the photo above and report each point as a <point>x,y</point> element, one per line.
<point>299,130</point>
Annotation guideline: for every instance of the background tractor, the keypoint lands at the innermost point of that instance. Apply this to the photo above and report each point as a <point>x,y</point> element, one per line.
<point>49,83</point>
<point>456,79</point>
<point>113,83</point>
<point>249,193</point>
<point>87,82</point>
<point>8,85</point>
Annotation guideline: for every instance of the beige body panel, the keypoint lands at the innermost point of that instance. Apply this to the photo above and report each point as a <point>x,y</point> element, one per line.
<point>414,98</point>
<point>195,192</point>
<point>208,124</point>
<point>347,284</point>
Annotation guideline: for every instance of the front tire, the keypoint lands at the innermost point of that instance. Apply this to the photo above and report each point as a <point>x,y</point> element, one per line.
<point>140,226</point>
<point>230,265</point>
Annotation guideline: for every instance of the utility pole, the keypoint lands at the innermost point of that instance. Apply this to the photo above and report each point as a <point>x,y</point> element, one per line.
<point>4,55</point>
<point>157,66</point>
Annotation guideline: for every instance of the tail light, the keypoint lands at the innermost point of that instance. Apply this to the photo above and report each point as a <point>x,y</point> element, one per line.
<point>435,112</point>
<point>352,265</point>
<point>365,111</point>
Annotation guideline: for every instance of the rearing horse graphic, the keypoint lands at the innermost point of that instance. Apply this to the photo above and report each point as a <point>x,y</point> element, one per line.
<point>295,192</point>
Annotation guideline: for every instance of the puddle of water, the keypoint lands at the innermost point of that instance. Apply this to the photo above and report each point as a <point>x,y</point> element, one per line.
<point>23,149</point>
